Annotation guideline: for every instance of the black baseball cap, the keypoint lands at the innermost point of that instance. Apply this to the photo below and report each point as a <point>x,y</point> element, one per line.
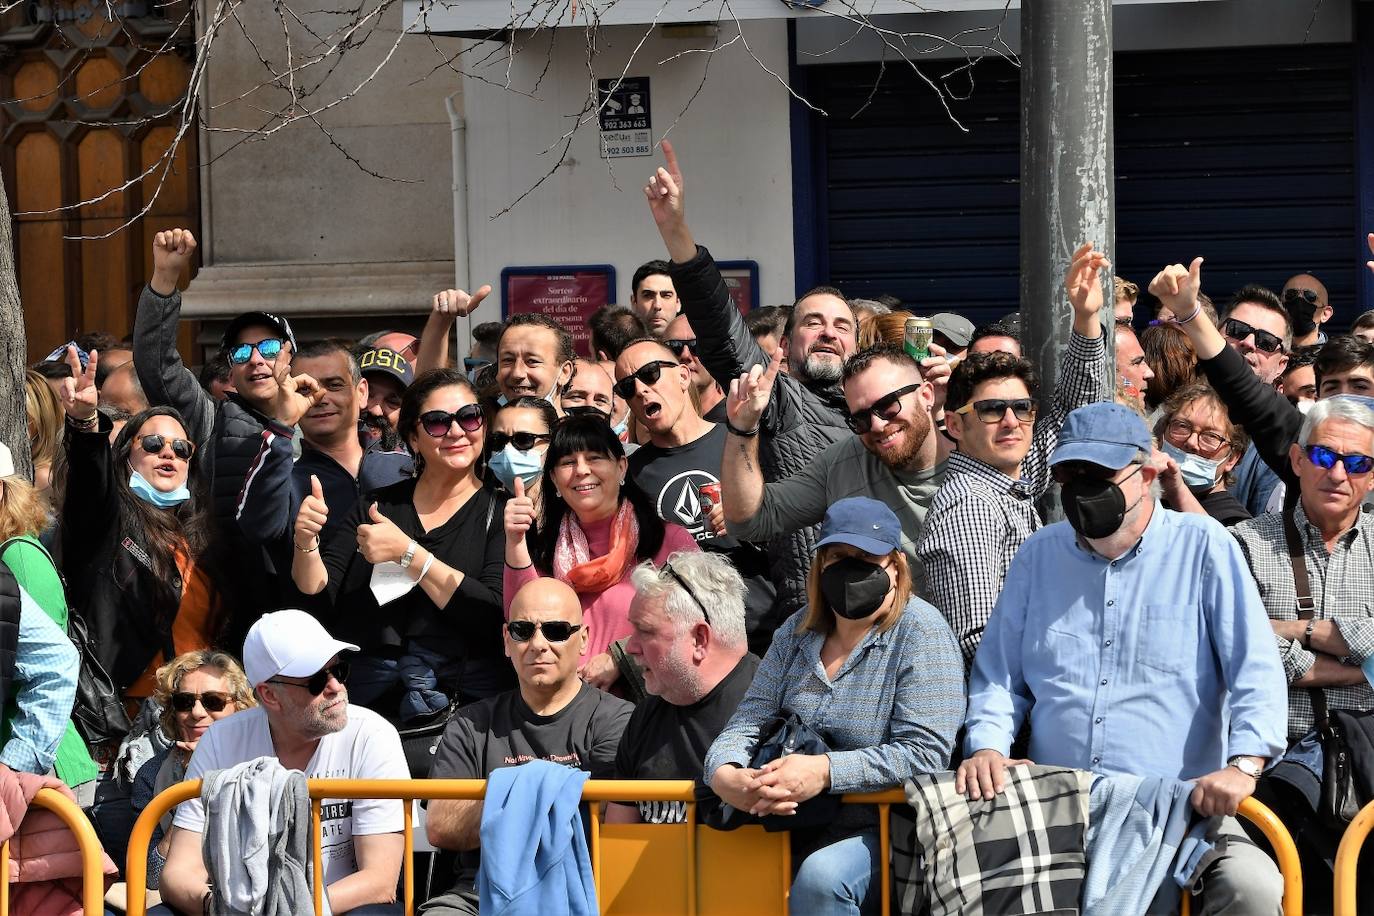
<point>248,319</point>
<point>381,359</point>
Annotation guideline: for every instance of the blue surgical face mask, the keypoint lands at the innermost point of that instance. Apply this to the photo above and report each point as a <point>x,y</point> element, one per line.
<point>510,463</point>
<point>1198,472</point>
<point>502,400</point>
<point>620,428</point>
<point>151,494</point>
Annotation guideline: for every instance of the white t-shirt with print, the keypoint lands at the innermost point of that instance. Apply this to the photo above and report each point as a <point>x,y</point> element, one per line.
<point>367,748</point>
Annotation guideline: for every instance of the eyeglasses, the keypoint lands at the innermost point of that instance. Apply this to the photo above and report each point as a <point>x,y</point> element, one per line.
<point>438,422</point>
<point>1178,432</point>
<point>676,344</point>
<point>553,630</point>
<point>213,701</point>
<point>668,568</point>
<point>320,679</point>
<point>649,374</point>
<point>887,407</point>
<point>1238,330</point>
<point>586,410</point>
<point>242,353</point>
<point>1326,459</point>
<point>523,441</point>
<point>153,443</point>
<point>993,410</point>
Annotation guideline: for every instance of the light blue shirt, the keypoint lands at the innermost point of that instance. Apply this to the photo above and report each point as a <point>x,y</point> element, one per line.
<point>1160,663</point>
<point>45,688</point>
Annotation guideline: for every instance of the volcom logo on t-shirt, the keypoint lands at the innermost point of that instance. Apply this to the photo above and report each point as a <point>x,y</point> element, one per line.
<point>679,502</point>
<point>568,760</point>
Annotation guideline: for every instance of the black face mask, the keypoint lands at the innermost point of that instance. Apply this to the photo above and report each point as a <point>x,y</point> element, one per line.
<point>854,588</point>
<point>1302,315</point>
<point>1095,507</point>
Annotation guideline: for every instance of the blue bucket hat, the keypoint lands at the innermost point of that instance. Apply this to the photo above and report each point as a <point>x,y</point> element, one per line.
<point>863,523</point>
<point>1105,434</point>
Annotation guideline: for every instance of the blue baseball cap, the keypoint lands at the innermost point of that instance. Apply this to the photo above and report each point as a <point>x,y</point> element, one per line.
<point>1106,434</point>
<point>863,523</point>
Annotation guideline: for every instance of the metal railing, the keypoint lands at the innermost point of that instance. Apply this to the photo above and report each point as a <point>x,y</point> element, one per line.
<point>1348,858</point>
<point>92,867</point>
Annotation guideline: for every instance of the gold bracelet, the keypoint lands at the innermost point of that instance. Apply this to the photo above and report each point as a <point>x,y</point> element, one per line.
<point>308,549</point>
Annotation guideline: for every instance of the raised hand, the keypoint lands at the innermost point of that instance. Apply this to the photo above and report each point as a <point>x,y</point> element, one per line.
<point>519,514</point>
<point>665,193</point>
<point>381,541</point>
<point>458,303</point>
<point>79,396</point>
<point>749,394</point>
<point>296,394</point>
<point>172,251</point>
<point>1176,287</point>
<point>311,518</point>
<point>1083,280</point>
<point>936,369</point>
<point>1370,240</point>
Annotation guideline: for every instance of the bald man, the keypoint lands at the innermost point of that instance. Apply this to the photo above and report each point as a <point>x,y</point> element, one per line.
<point>1308,307</point>
<point>551,716</point>
<point>122,389</point>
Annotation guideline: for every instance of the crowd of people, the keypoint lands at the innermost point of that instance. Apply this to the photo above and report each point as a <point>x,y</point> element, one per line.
<point>653,559</point>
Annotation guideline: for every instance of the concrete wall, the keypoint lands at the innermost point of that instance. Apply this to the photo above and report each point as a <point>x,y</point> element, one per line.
<point>733,141</point>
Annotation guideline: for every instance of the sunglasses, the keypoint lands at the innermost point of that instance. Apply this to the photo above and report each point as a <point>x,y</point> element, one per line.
<point>1303,295</point>
<point>649,374</point>
<point>676,344</point>
<point>523,441</point>
<point>268,349</point>
<point>993,410</point>
<point>1236,329</point>
<point>213,701</point>
<point>153,443</point>
<point>668,568</point>
<point>586,410</point>
<point>438,422</point>
<point>887,407</point>
<point>553,630</point>
<point>1326,459</point>
<point>320,679</point>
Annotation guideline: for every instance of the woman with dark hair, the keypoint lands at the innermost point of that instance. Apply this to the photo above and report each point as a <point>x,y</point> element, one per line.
<point>414,574</point>
<point>593,527</point>
<point>134,538</point>
<point>1168,352</point>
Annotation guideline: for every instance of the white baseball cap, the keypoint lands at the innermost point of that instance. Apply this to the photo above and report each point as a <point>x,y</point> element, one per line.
<point>6,461</point>
<point>289,643</point>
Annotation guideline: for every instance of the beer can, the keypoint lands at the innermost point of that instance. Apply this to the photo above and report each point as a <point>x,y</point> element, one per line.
<point>708,494</point>
<point>916,337</point>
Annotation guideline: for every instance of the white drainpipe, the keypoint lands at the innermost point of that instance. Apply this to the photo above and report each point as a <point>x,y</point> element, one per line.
<point>461,277</point>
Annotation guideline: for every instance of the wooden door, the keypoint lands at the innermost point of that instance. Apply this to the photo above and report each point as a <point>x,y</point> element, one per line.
<point>86,106</point>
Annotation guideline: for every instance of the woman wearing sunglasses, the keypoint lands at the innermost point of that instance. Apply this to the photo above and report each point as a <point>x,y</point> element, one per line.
<point>134,538</point>
<point>1196,432</point>
<point>519,438</point>
<point>593,527</point>
<point>874,671</point>
<point>414,574</point>
<point>194,691</point>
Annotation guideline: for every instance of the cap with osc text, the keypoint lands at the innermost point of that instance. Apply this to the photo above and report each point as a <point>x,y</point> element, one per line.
<point>863,523</point>
<point>957,329</point>
<point>1105,434</point>
<point>380,359</point>
<point>288,643</point>
<point>266,319</point>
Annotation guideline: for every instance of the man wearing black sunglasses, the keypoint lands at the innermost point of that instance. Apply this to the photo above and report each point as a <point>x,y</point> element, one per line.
<point>552,716</point>
<point>1309,308</point>
<point>305,721</point>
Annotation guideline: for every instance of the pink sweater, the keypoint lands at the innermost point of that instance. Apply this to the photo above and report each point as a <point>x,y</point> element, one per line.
<point>605,614</point>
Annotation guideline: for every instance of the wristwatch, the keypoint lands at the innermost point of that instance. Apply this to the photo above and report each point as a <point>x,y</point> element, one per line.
<point>409,555</point>
<point>1247,766</point>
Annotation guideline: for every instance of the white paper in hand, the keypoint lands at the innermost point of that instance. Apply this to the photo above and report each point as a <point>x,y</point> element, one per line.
<point>390,581</point>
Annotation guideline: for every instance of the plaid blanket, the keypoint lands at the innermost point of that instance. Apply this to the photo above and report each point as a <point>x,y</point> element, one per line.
<point>1020,853</point>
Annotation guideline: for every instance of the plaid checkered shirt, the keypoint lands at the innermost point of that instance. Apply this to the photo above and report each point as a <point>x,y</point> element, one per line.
<point>980,516</point>
<point>1342,590</point>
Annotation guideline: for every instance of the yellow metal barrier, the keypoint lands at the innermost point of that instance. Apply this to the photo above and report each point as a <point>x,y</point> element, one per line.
<point>1348,857</point>
<point>692,839</point>
<point>92,867</point>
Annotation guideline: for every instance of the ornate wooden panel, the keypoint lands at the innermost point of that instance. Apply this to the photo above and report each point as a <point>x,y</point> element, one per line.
<point>87,104</point>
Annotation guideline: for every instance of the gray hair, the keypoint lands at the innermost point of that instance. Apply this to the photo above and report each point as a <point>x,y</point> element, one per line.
<point>714,582</point>
<point>1338,407</point>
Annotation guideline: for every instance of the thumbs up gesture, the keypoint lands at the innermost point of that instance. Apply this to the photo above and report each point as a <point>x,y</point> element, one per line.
<point>380,541</point>
<point>311,518</point>
<point>519,514</point>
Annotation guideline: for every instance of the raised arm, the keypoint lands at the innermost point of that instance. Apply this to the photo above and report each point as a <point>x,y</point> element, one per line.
<point>90,505</point>
<point>446,306</point>
<point>165,379</point>
<point>741,475</point>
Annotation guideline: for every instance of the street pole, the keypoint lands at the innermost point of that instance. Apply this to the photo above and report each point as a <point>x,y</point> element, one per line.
<point>1067,174</point>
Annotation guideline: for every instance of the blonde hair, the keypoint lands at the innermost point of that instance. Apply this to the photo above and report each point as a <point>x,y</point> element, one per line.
<point>170,676</point>
<point>887,328</point>
<point>45,420</point>
<point>820,619</point>
<point>22,509</point>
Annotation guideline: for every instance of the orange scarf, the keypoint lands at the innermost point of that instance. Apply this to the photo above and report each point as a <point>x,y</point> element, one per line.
<point>572,560</point>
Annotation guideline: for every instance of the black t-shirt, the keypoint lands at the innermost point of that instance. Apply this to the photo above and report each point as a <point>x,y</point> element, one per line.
<point>664,741</point>
<point>672,477</point>
<point>717,414</point>
<point>1221,506</point>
